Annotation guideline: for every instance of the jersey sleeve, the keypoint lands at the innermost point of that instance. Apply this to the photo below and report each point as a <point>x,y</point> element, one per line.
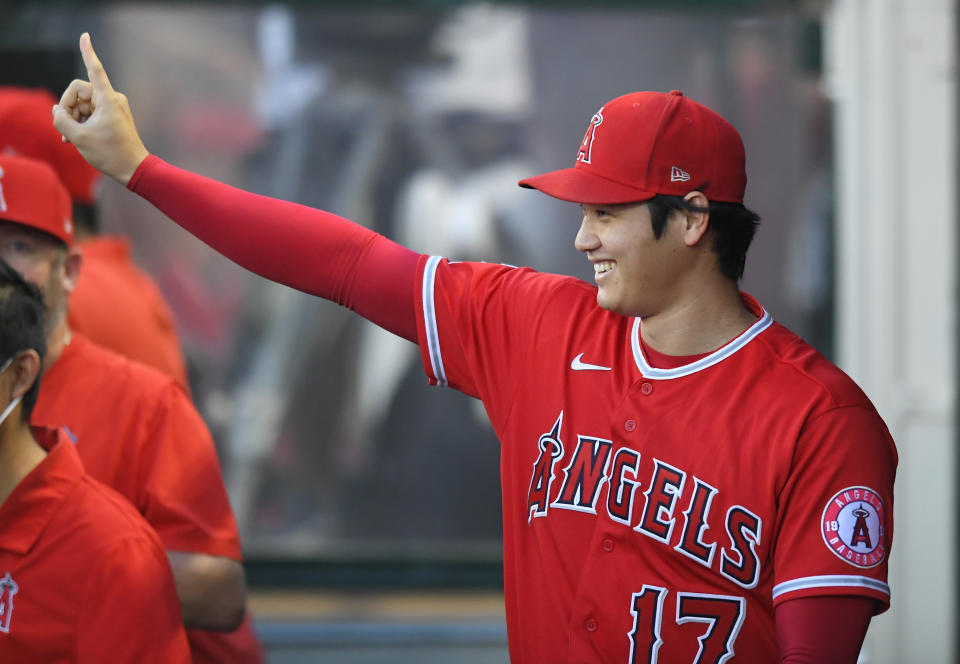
<point>130,612</point>
<point>834,532</point>
<point>479,324</point>
<point>184,497</point>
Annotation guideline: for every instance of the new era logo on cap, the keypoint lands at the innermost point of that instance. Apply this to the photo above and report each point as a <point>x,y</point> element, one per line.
<point>632,148</point>
<point>677,174</point>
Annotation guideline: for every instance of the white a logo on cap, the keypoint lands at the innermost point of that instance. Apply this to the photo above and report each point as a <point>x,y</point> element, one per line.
<point>3,201</point>
<point>586,146</point>
<point>677,174</point>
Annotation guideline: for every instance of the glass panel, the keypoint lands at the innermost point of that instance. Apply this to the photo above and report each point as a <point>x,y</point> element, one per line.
<point>418,124</point>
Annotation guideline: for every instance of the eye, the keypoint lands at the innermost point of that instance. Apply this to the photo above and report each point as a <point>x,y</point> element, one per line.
<point>19,246</point>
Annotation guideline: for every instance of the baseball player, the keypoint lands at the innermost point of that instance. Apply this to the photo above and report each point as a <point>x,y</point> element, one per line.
<point>684,480</point>
<point>135,430</point>
<point>82,576</point>
<point>114,301</point>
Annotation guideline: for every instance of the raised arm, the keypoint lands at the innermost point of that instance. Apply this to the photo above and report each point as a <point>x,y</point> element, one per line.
<point>311,250</point>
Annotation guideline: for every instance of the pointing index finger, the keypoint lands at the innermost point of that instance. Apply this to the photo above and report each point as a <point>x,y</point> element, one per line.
<point>95,72</point>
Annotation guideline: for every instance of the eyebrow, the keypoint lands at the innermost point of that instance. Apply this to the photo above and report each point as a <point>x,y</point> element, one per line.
<point>612,207</point>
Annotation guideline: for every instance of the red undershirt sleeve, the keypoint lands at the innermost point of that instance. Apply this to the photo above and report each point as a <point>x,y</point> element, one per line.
<point>313,251</point>
<point>823,630</point>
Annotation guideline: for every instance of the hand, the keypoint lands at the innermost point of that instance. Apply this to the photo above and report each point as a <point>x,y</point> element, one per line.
<point>97,120</point>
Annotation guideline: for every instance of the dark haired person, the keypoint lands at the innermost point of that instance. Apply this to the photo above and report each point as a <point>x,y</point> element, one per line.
<point>82,576</point>
<point>684,480</point>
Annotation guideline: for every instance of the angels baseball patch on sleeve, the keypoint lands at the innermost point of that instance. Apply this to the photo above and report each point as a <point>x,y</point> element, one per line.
<point>853,526</point>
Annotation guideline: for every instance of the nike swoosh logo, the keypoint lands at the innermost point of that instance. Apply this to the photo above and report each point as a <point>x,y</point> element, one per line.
<point>577,365</point>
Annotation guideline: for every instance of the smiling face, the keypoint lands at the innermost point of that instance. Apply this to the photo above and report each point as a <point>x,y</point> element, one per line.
<point>637,274</point>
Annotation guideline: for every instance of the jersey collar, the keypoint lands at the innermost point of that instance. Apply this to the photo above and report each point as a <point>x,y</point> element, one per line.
<point>34,501</point>
<point>764,321</point>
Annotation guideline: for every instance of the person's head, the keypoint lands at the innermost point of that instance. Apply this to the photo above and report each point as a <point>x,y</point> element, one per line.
<point>674,172</point>
<point>22,340</point>
<point>36,232</point>
<point>26,130</point>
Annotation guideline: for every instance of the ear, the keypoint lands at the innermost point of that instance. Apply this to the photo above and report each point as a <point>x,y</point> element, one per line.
<point>71,268</point>
<point>25,368</point>
<point>696,223</point>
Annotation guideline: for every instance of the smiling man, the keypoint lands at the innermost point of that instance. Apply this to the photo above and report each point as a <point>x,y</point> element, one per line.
<point>684,480</point>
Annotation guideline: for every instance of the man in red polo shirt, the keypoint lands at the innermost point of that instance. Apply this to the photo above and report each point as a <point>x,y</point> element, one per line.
<point>83,578</point>
<point>135,428</point>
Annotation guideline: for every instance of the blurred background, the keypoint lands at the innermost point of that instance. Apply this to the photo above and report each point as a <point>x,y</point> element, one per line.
<point>368,503</point>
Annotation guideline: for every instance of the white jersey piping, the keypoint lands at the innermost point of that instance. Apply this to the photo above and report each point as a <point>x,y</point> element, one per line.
<point>719,355</point>
<point>430,320</point>
<point>830,581</point>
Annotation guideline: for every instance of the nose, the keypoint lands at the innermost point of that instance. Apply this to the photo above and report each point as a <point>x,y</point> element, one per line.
<point>586,239</point>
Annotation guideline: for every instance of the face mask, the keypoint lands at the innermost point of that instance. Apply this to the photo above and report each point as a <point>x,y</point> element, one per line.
<point>16,400</point>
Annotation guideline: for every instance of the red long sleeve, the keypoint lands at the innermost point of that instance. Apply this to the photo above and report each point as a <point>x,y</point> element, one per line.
<point>823,630</point>
<point>313,251</point>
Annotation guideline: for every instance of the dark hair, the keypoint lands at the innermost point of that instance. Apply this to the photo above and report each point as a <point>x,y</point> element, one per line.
<point>85,217</point>
<point>733,228</point>
<point>21,324</point>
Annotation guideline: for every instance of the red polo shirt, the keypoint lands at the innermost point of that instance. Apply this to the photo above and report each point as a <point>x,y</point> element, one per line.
<point>83,578</point>
<point>116,305</point>
<point>137,431</point>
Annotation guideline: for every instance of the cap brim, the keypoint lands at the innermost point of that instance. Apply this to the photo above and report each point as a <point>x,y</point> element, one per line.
<point>579,185</point>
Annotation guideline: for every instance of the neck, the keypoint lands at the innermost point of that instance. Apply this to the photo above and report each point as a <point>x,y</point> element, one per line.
<point>81,232</point>
<point>57,339</point>
<point>699,323</point>
<point>19,453</point>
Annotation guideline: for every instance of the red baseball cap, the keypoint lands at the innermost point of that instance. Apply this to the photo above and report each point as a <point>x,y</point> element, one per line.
<point>26,129</point>
<point>31,194</point>
<point>648,143</point>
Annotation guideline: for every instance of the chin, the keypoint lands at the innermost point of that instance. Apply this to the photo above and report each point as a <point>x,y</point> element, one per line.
<point>616,306</point>
<point>608,303</point>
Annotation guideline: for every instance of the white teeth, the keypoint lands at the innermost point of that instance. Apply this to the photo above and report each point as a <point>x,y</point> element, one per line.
<point>603,266</point>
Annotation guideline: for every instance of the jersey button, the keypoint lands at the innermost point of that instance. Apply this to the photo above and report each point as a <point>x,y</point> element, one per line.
<point>591,625</point>
<point>630,425</point>
<point>646,388</point>
<point>607,545</point>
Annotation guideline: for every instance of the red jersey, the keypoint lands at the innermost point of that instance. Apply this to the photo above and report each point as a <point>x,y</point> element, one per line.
<point>137,431</point>
<point>119,307</point>
<point>658,515</point>
<point>82,576</point>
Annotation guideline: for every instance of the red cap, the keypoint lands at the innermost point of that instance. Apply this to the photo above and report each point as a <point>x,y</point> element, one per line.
<point>26,129</point>
<point>31,194</point>
<point>648,143</point>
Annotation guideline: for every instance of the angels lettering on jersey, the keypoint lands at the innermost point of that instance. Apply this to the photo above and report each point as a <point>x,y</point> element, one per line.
<point>8,588</point>
<point>593,464</point>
